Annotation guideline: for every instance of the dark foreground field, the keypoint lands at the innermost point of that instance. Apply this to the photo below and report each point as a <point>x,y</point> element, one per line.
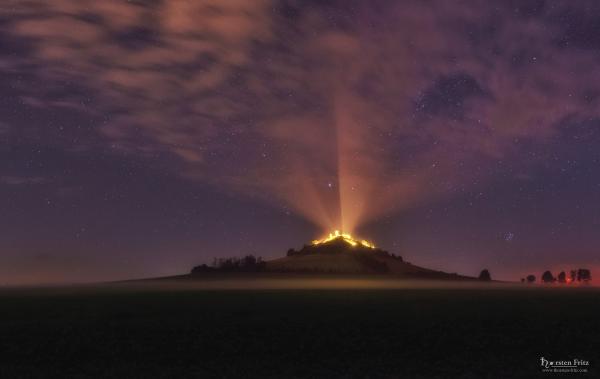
<point>394,333</point>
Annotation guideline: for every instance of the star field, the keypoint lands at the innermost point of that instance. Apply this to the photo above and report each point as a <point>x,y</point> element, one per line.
<point>142,138</point>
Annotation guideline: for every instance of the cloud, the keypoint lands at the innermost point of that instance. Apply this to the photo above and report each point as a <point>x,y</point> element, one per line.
<point>358,108</point>
<point>448,96</point>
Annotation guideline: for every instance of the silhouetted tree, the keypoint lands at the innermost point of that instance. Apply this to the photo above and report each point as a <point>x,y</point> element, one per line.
<point>573,276</point>
<point>248,261</point>
<point>261,265</point>
<point>547,277</point>
<point>484,275</point>
<point>562,277</point>
<point>530,278</point>
<point>229,264</point>
<point>522,280</point>
<point>584,275</point>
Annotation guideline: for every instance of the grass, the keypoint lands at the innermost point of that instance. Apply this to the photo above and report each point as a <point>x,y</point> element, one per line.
<point>394,333</point>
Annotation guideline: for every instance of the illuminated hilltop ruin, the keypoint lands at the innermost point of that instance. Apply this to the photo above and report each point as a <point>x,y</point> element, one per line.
<point>346,237</point>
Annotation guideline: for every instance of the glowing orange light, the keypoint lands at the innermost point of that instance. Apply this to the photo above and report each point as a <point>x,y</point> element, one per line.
<point>346,237</point>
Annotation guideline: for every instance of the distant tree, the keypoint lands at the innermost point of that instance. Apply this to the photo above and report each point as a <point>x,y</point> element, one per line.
<point>584,275</point>
<point>562,277</point>
<point>261,265</point>
<point>573,276</point>
<point>291,252</point>
<point>229,264</point>
<point>547,277</point>
<point>248,261</point>
<point>530,278</point>
<point>485,276</point>
<point>522,280</point>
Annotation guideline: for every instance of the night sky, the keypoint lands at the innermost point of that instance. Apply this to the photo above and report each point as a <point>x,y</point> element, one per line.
<point>139,138</point>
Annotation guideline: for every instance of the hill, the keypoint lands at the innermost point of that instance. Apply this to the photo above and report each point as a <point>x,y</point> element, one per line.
<point>344,255</point>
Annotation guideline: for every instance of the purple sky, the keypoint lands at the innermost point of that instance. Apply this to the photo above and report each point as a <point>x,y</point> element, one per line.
<point>142,138</point>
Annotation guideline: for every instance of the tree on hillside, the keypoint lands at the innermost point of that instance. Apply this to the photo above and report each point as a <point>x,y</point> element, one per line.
<point>485,276</point>
<point>562,277</point>
<point>530,278</point>
<point>547,277</point>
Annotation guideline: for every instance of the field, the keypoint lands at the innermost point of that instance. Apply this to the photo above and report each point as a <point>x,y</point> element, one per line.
<point>161,331</point>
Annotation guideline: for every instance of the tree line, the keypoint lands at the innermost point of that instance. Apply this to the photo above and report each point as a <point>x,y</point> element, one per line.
<point>582,275</point>
<point>249,263</point>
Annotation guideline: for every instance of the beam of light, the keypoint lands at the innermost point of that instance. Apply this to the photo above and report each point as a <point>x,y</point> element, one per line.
<point>351,162</point>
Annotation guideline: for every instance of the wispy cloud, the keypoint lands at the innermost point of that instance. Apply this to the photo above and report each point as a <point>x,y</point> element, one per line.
<point>384,105</point>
